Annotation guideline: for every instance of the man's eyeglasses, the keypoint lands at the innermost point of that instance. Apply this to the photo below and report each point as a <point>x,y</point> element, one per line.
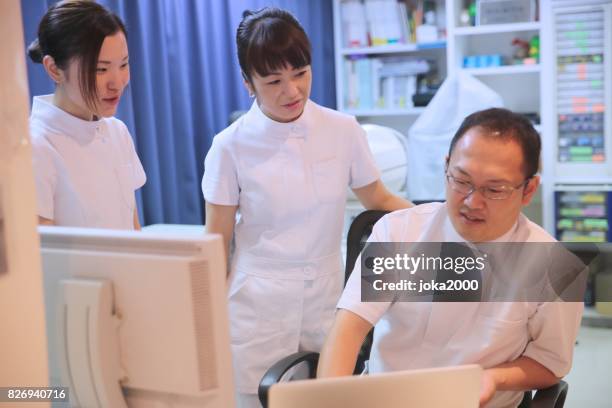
<point>498,192</point>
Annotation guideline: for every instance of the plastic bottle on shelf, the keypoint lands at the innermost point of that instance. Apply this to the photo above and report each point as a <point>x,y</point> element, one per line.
<point>534,47</point>
<point>427,32</point>
<point>472,13</point>
<point>464,18</point>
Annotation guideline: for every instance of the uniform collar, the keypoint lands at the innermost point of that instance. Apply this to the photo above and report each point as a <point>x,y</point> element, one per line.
<point>60,121</point>
<point>269,127</point>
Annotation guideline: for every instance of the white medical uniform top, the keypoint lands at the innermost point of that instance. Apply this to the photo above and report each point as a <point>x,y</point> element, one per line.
<point>290,183</point>
<point>410,335</point>
<point>86,172</point>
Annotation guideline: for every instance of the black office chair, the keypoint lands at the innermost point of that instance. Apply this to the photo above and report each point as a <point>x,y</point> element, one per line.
<point>359,231</point>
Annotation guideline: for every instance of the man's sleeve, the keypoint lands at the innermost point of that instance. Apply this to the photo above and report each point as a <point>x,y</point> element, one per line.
<point>553,329</point>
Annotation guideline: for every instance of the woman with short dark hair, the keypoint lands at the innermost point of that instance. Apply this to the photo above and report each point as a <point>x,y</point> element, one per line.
<point>284,167</point>
<point>85,165</point>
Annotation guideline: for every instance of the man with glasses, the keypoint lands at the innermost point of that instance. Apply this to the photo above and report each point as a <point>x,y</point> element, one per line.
<point>490,176</point>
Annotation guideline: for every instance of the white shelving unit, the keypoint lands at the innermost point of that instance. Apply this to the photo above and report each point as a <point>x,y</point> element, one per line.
<point>460,41</point>
<point>524,88</point>
<point>398,118</point>
<point>519,85</point>
<point>515,83</point>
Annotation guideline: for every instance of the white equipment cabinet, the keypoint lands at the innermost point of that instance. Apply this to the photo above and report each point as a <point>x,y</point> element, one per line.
<point>578,153</point>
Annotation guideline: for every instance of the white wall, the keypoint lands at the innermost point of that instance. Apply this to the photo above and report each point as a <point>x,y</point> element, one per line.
<point>23,344</point>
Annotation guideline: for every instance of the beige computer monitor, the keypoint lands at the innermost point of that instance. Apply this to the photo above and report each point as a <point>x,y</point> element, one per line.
<point>137,320</point>
<point>457,387</point>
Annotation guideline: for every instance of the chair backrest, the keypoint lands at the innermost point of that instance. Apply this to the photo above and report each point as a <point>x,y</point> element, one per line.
<point>358,234</point>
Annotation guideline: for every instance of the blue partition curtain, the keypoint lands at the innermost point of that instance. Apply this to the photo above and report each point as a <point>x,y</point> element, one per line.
<point>185,82</point>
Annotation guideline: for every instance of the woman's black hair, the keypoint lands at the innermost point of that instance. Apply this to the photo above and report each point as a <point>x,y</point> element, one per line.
<point>75,30</point>
<point>270,39</point>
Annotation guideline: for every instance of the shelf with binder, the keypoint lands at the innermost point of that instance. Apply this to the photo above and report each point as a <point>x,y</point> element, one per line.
<point>384,85</point>
<point>386,52</point>
<point>362,23</point>
<point>393,48</point>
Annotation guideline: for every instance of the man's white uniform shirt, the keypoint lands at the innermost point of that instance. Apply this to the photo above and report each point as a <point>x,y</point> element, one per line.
<point>411,335</point>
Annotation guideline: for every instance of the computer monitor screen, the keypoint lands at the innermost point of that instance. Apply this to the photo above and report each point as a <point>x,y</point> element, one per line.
<point>137,319</point>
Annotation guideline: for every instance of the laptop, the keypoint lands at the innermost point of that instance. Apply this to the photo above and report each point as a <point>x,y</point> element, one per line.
<point>457,387</point>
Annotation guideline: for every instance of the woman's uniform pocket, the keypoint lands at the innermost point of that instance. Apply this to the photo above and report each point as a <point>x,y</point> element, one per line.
<point>327,176</point>
<point>243,314</point>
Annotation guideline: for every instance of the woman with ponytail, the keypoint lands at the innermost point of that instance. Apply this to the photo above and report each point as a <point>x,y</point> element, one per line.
<point>85,164</point>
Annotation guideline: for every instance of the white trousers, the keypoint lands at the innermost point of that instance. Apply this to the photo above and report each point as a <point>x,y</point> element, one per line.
<point>271,318</point>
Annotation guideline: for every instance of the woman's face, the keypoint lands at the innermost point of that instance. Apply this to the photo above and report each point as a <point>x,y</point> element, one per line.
<point>282,94</point>
<point>112,76</point>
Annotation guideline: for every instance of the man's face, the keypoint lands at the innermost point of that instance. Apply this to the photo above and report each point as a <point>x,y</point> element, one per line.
<point>494,164</point>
